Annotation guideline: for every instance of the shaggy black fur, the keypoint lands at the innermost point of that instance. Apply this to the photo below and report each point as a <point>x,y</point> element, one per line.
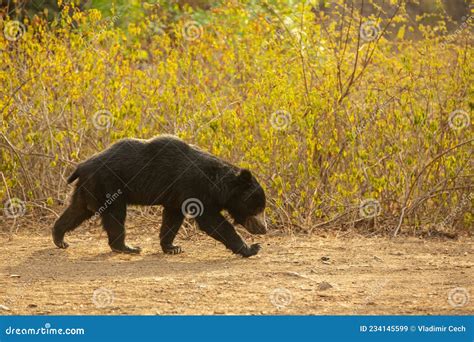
<point>164,171</point>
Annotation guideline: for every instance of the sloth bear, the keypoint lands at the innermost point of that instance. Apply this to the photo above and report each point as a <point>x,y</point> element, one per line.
<point>165,170</point>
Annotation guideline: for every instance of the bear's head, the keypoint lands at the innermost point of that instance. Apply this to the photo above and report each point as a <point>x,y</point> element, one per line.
<point>246,203</point>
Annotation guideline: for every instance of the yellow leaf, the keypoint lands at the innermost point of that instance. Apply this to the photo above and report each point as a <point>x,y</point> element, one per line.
<point>401,33</point>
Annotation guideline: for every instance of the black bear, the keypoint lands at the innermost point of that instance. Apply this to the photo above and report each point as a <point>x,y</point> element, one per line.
<point>165,170</point>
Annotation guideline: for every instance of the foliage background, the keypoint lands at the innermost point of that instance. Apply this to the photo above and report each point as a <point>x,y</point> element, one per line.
<point>326,117</point>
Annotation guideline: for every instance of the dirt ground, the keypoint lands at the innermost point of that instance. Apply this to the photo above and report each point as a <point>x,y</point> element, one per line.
<point>326,273</point>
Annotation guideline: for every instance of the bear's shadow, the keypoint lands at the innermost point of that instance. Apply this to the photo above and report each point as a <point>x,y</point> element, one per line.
<point>53,263</point>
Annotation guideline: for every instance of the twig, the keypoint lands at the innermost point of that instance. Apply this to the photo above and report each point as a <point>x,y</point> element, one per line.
<point>425,167</point>
<point>13,148</point>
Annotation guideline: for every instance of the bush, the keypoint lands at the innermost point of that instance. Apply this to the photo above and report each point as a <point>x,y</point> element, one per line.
<point>341,124</point>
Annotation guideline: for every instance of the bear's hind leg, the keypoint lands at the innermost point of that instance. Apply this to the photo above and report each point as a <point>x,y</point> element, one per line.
<point>172,220</point>
<point>70,219</point>
<point>113,221</point>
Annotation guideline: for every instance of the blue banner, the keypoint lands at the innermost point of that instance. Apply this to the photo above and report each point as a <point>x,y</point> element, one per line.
<point>236,328</point>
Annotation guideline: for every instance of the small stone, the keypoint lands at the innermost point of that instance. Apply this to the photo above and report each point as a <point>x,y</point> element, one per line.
<point>3,307</point>
<point>305,288</point>
<point>15,276</point>
<point>325,258</point>
<point>295,274</point>
<point>324,286</point>
<point>32,305</point>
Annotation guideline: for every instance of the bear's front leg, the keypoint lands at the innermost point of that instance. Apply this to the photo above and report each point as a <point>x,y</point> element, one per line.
<point>172,220</point>
<point>113,221</point>
<point>216,226</point>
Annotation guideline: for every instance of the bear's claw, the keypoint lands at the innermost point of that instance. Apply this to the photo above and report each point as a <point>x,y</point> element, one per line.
<point>61,244</point>
<point>172,250</point>
<point>249,251</point>
<point>127,250</point>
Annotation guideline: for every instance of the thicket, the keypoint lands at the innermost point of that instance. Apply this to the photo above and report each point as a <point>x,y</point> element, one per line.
<point>345,117</point>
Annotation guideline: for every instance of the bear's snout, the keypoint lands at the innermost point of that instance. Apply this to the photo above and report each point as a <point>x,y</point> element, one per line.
<point>256,224</point>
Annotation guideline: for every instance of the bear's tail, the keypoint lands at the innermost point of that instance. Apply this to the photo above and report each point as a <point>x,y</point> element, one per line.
<point>73,177</point>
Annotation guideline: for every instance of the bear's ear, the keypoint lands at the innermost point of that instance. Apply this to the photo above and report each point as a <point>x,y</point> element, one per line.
<point>244,176</point>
